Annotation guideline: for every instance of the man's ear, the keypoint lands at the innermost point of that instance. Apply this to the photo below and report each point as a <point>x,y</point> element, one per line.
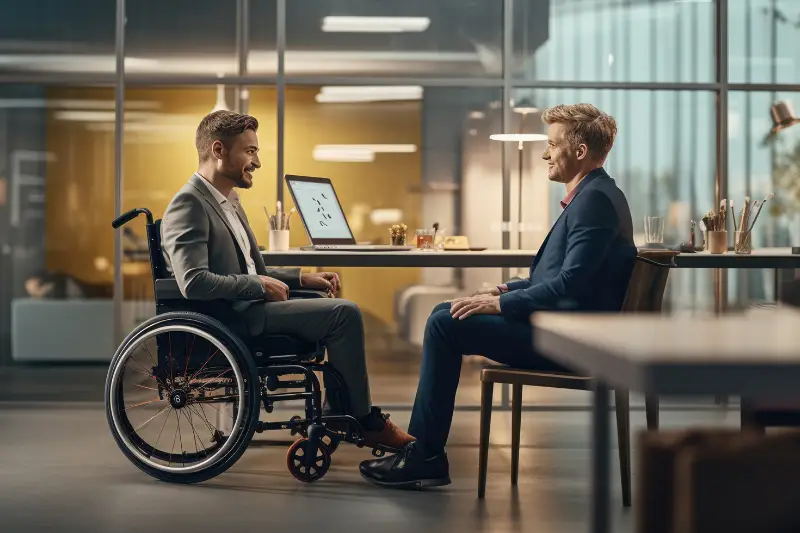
<point>582,152</point>
<point>217,149</point>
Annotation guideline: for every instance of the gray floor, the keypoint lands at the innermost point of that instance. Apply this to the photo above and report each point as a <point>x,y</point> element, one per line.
<point>60,470</point>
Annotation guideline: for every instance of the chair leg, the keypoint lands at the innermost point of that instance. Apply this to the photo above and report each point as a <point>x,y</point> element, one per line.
<point>748,420</point>
<point>623,412</point>
<point>516,423</point>
<point>487,390</point>
<point>651,411</point>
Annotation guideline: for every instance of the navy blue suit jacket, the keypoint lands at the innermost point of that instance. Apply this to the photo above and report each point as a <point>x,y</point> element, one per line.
<point>585,262</point>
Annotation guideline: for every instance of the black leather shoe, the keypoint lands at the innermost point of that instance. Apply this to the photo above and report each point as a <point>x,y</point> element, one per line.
<point>408,469</point>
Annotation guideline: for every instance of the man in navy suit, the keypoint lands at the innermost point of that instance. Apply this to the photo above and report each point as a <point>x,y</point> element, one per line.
<point>584,264</point>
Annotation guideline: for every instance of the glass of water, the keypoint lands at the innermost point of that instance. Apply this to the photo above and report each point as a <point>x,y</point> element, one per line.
<point>654,230</point>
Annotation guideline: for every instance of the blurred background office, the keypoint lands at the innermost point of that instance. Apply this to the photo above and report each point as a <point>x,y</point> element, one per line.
<point>395,101</point>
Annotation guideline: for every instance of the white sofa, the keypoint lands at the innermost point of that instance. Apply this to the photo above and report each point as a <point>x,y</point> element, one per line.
<point>69,330</point>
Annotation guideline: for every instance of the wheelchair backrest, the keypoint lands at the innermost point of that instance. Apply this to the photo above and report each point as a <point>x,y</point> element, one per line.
<point>157,263</point>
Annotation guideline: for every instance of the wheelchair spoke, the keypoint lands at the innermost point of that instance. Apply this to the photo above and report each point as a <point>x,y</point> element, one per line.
<point>148,373</point>
<point>171,375</point>
<point>155,362</point>
<point>188,352</point>
<point>166,419</point>
<point>202,416</point>
<point>150,419</point>
<point>180,437</point>
<point>204,364</point>
<point>211,406</point>
<point>172,451</point>
<point>141,404</point>
<point>195,436</point>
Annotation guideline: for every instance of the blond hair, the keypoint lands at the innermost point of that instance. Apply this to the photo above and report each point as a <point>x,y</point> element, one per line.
<point>584,124</point>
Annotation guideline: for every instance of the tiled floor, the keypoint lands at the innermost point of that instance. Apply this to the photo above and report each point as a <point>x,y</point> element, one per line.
<point>61,471</point>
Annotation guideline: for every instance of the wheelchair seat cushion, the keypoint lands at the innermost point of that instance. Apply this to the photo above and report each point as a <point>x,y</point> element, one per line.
<point>274,345</point>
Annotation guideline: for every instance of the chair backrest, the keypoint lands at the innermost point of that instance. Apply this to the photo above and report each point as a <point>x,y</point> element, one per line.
<point>648,280</point>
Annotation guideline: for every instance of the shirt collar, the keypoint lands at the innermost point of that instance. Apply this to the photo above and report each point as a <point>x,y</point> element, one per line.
<point>588,177</point>
<point>231,201</point>
<point>568,198</point>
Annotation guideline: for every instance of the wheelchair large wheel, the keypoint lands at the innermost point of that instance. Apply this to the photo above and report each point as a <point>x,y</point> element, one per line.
<point>182,397</point>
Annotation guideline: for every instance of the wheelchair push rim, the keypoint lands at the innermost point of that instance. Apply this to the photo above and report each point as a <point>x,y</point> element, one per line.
<point>179,398</point>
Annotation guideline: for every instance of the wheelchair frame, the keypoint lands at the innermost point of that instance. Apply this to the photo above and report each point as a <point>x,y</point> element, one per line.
<point>267,369</point>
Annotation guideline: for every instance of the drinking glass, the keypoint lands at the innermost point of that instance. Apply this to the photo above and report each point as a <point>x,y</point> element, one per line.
<point>425,239</point>
<point>654,230</point>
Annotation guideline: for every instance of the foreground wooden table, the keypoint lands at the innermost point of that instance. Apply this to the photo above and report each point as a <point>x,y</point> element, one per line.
<point>755,355</point>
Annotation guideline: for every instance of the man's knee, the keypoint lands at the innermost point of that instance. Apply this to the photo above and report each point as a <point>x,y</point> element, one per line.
<point>439,321</point>
<point>348,311</point>
<point>444,306</point>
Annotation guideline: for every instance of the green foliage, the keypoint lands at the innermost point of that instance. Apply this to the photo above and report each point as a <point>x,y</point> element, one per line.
<point>786,179</point>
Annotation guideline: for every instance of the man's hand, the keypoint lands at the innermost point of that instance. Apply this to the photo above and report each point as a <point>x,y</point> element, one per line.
<point>475,305</point>
<point>277,291</point>
<point>324,281</point>
<point>489,291</point>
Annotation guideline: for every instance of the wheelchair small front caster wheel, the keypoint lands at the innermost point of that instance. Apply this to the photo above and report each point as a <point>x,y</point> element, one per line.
<point>296,462</point>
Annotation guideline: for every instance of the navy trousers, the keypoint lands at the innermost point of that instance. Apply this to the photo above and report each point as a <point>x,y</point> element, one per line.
<point>445,342</point>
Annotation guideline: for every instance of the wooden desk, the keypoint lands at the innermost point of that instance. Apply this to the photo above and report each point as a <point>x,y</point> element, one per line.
<point>754,354</point>
<point>412,258</point>
<point>770,258</point>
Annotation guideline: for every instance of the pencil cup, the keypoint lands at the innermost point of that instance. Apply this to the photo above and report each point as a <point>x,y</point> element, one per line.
<point>278,240</point>
<point>743,242</point>
<point>717,242</point>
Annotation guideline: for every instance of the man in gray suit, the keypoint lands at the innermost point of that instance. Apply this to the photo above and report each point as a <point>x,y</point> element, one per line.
<point>211,250</point>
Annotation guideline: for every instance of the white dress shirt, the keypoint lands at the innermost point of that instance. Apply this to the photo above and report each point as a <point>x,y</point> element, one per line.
<point>229,208</point>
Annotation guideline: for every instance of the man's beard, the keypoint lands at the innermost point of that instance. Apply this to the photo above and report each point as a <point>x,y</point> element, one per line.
<point>241,179</point>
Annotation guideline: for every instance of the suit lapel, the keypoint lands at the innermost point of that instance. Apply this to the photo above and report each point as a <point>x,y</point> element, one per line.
<point>584,182</point>
<point>255,254</point>
<point>204,192</point>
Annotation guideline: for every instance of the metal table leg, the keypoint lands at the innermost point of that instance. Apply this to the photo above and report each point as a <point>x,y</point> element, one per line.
<point>601,462</point>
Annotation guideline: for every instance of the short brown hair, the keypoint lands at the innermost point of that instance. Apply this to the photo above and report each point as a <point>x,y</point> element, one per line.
<point>221,126</point>
<point>585,124</point>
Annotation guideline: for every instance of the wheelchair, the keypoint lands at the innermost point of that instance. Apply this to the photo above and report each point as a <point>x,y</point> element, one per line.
<point>192,378</point>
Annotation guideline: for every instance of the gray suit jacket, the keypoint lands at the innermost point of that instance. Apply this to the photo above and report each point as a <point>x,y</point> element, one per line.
<point>202,253</point>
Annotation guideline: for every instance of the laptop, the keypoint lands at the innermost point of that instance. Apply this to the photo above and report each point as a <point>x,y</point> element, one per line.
<point>325,222</point>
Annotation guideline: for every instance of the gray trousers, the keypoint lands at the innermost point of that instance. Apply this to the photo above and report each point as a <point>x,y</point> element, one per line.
<point>336,322</point>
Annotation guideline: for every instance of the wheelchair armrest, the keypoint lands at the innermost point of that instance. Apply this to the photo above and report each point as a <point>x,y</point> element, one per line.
<point>306,294</point>
<point>167,289</point>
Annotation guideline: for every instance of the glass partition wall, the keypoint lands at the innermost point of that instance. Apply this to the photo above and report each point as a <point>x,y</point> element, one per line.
<point>99,117</point>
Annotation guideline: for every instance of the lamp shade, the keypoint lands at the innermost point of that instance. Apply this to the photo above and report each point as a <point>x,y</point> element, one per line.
<point>525,106</point>
<point>782,116</point>
<point>518,137</point>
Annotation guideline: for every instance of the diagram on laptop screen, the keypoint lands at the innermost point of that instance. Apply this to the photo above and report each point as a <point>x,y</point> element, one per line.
<point>321,211</point>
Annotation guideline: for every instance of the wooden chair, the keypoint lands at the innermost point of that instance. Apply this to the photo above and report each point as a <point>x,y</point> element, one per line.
<point>645,294</point>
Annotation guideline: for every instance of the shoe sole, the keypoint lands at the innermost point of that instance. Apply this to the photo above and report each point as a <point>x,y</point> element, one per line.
<point>415,485</point>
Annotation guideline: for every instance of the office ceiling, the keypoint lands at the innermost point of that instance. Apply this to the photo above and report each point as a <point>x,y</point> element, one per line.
<point>38,35</point>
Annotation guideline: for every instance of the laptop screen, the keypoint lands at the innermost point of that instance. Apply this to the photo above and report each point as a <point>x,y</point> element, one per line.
<point>318,205</point>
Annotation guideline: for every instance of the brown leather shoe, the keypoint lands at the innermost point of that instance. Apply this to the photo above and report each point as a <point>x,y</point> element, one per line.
<point>391,436</point>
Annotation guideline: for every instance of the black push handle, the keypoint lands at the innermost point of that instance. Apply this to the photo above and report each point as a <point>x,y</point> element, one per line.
<point>130,215</point>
